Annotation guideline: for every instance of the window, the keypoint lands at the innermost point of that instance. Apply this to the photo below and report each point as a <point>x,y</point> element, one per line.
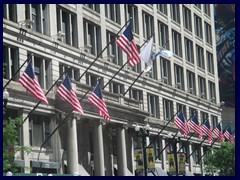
<point>167,109</point>
<point>198,6</point>
<point>181,108</point>
<point>67,24</point>
<point>95,7</point>
<point>191,82</point>
<point>132,11</point>
<point>192,111</point>
<point>187,23</point>
<point>175,15</point>
<point>39,15</point>
<point>163,35</point>
<point>11,62</point>
<point>176,43</point>
<point>166,71</point>
<point>204,116</point>
<point>116,88</point>
<point>208,33</point>
<point>92,80</point>
<point>200,57</point>
<point>179,79</point>
<point>202,87</point>
<point>162,8</point>
<point>212,94</point>
<point>136,94</point>
<point>153,72</point>
<point>198,26</point>
<point>214,121</point>
<point>185,149</point>
<point>74,73</point>
<point>206,8</point>
<point>189,50</point>
<point>210,65</point>
<point>114,52</point>
<point>196,154</point>
<point>42,69</point>
<point>157,146</point>
<point>10,12</point>
<point>92,37</point>
<point>148,27</point>
<point>112,11</point>
<point>39,130</point>
<point>153,105</point>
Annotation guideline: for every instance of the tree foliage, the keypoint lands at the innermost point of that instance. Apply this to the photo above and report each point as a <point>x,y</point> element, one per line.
<point>221,160</point>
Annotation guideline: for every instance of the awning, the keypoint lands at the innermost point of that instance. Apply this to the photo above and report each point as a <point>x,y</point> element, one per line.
<point>158,172</point>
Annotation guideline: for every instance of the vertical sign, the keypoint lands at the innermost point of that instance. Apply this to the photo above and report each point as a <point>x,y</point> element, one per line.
<point>138,159</point>
<point>171,164</point>
<point>150,159</point>
<point>181,163</point>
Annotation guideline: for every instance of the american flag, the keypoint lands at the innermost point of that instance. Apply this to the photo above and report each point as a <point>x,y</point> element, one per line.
<point>218,132</point>
<point>194,125</point>
<point>207,130</point>
<point>181,123</point>
<point>228,134</point>
<point>30,82</point>
<point>126,43</point>
<point>66,92</point>
<point>98,101</point>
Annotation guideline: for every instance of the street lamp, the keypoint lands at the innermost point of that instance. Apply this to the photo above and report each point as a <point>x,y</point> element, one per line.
<point>5,98</point>
<point>143,132</point>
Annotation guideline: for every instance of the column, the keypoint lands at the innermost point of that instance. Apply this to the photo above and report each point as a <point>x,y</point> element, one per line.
<point>72,148</point>
<point>164,154</point>
<point>121,152</point>
<point>98,149</point>
<point>201,162</point>
<point>190,159</point>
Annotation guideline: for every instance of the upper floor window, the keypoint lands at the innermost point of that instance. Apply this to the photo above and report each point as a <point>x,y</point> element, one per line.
<point>212,93</point>
<point>11,62</point>
<point>153,105</point>
<point>187,18</point>
<point>179,79</point>
<point>67,24</point>
<point>198,26</point>
<point>43,72</point>
<point>214,121</point>
<point>153,72</point>
<point>202,87</point>
<point>200,57</point>
<point>198,6</point>
<point>95,7</point>
<point>175,15</point>
<point>167,109</point>
<point>148,26</point>
<point>166,71</point>
<point>132,11</point>
<point>39,130</point>
<point>204,116</point>
<point>112,12</point>
<point>176,43</point>
<point>39,15</point>
<point>73,73</point>
<point>206,8</point>
<point>181,108</point>
<point>208,33</point>
<point>116,88</point>
<point>92,80</point>
<point>191,82</point>
<point>162,8</point>
<point>114,52</point>
<point>163,35</point>
<point>136,94</point>
<point>192,112</point>
<point>10,12</point>
<point>210,65</point>
<point>92,37</point>
<point>189,50</point>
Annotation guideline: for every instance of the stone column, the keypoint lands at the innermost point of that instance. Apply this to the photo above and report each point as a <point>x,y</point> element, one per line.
<point>190,159</point>
<point>164,154</point>
<point>72,147</point>
<point>121,152</point>
<point>99,169</point>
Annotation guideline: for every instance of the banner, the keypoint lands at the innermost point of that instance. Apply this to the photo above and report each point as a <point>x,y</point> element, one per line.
<point>138,159</point>
<point>181,164</point>
<point>150,159</point>
<point>171,164</point>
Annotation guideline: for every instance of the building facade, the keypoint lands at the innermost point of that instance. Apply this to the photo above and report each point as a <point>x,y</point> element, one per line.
<point>69,37</point>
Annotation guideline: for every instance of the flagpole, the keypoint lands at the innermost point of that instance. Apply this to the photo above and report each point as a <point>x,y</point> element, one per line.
<point>210,146</point>
<point>200,144</point>
<point>45,95</point>
<point>17,71</point>
<point>102,51</point>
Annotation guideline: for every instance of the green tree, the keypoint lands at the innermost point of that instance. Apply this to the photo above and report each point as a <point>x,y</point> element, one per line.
<point>221,160</point>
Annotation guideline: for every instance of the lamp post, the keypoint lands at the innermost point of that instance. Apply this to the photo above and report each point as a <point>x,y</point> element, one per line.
<point>5,98</point>
<point>143,132</point>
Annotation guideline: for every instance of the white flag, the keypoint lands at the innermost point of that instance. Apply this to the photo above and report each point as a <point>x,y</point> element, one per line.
<point>147,55</point>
